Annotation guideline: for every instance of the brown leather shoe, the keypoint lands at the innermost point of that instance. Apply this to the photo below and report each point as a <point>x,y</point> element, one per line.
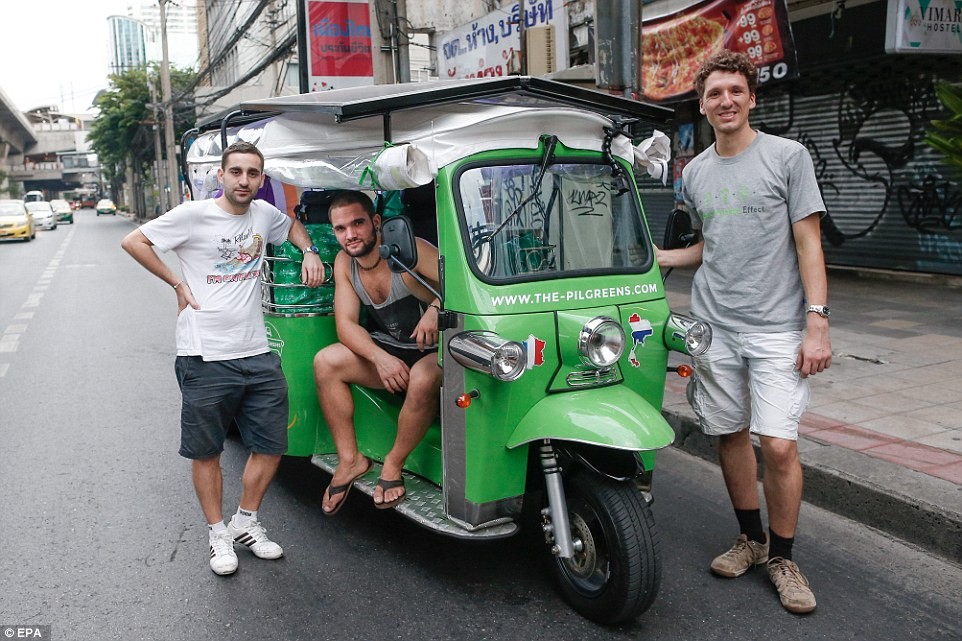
<point>792,586</point>
<point>742,556</point>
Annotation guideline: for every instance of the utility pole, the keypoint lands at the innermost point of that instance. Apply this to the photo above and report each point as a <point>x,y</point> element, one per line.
<point>158,157</point>
<point>173,174</point>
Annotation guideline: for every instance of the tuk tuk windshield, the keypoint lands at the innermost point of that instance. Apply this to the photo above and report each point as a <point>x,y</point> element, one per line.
<point>580,220</point>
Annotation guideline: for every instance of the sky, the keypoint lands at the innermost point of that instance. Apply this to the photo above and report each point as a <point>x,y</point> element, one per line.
<point>54,52</point>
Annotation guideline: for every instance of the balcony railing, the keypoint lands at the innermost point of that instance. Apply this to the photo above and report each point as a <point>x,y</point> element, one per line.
<point>47,170</point>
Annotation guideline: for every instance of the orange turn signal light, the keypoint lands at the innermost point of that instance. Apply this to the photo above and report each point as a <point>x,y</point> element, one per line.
<point>464,401</point>
<point>684,371</point>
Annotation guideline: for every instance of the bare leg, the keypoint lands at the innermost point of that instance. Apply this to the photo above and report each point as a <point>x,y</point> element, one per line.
<point>739,467</point>
<point>782,484</point>
<point>258,474</point>
<point>335,368</point>
<point>209,486</point>
<point>420,407</point>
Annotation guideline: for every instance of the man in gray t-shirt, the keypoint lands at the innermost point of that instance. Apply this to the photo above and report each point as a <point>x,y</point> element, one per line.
<point>761,284</point>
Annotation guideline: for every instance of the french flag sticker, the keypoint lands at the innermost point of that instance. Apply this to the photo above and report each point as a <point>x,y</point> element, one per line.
<point>534,348</point>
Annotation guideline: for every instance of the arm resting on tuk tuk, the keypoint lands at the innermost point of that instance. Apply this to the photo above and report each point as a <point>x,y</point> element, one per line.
<point>312,269</point>
<point>686,257</point>
<point>426,332</point>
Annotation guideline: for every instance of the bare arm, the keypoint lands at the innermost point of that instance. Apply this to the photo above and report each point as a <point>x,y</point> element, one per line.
<point>687,257</point>
<point>816,352</point>
<point>426,331</point>
<point>142,250</point>
<point>312,269</point>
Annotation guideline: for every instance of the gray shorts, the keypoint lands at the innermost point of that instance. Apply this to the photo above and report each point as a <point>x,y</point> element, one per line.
<point>250,391</point>
<point>749,380</point>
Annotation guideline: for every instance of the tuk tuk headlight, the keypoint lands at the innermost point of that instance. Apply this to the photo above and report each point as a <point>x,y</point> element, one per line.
<point>694,335</point>
<point>602,342</point>
<point>698,338</point>
<point>485,351</point>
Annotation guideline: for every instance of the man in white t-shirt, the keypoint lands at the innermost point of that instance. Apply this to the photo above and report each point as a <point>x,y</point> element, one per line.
<point>226,372</point>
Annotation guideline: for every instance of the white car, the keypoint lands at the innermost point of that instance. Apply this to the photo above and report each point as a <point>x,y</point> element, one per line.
<point>44,216</point>
<point>63,210</point>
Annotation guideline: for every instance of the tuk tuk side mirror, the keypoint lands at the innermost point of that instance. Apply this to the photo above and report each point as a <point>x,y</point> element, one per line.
<point>399,248</point>
<point>678,231</point>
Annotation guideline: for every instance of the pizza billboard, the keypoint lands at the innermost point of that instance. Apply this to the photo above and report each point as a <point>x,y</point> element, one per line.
<point>674,46</point>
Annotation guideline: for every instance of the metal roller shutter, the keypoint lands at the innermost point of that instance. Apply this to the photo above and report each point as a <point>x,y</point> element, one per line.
<point>891,202</point>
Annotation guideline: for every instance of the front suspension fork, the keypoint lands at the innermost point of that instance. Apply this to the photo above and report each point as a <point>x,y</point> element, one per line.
<point>556,527</point>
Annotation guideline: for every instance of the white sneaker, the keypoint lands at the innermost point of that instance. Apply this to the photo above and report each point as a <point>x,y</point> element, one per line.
<point>254,536</point>
<point>223,560</point>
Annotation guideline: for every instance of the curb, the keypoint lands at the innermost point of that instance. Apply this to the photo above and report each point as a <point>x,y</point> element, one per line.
<point>913,506</point>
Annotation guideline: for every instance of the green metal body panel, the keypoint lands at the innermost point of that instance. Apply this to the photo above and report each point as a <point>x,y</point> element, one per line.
<point>375,423</point>
<point>296,340</point>
<point>608,416</point>
<point>492,470</point>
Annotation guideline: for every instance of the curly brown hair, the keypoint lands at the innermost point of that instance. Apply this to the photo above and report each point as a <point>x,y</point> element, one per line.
<point>730,61</point>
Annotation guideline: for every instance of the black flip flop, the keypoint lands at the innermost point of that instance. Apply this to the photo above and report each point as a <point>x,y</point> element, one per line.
<point>334,490</point>
<point>385,485</point>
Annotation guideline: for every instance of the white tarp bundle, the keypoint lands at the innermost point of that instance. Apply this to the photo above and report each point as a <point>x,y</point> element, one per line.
<point>653,154</point>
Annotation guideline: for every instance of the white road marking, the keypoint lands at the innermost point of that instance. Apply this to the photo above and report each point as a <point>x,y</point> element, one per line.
<point>33,300</point>
<point>23,316</point>
<point>16,329</point>
<point>9,343</point>
<point>3,369</point>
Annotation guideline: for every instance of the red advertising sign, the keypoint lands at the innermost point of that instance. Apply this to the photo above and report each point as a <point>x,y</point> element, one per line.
<point>339,34</point>
<point>674,47</point>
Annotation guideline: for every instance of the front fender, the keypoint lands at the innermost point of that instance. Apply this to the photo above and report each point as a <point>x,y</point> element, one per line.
<point>612,417</point>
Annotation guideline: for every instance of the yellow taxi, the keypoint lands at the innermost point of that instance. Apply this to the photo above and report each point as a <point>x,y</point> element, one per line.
<point>16,223</point>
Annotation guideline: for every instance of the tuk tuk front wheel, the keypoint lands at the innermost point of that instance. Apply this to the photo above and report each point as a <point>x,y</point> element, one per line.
<point>616,570</point>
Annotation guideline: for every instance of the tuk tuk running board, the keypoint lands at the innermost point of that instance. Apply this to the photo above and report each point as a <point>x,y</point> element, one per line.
<point>424,504</point>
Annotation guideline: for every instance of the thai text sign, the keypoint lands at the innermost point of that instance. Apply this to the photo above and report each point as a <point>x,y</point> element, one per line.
<point>674,46</point>
<point>924,26</point>
<point>339,38</point>
<point>491,45</point>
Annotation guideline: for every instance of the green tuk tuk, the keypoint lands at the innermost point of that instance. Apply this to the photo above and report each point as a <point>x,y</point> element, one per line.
<point>555,327</point>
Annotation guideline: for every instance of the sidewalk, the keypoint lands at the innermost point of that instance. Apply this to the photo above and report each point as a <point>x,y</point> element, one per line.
<point>882,440</point>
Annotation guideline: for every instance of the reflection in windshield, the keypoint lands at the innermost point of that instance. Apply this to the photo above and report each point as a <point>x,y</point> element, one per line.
<point>577,221</point>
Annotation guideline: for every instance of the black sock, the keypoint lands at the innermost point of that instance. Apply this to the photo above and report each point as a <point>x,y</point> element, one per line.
<point>780,546</point>
<point>750,522</point>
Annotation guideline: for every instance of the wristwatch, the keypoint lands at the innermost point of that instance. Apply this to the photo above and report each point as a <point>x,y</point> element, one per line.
<point>821,310</point>
<point>311,250</point>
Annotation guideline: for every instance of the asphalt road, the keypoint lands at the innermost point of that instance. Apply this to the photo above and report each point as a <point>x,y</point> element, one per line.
<point>102,537</point>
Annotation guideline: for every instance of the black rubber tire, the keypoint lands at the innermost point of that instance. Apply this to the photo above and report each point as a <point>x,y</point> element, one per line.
<point>617,576</point>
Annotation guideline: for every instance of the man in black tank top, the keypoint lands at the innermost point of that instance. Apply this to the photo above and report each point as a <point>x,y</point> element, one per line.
<point>400,355</point>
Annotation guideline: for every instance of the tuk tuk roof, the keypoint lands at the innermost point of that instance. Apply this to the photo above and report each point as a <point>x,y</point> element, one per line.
<point>380,100</point>
<point>328,139</point>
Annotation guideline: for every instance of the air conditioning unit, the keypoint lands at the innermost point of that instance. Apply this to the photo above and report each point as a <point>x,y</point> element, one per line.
<point>539,47</point>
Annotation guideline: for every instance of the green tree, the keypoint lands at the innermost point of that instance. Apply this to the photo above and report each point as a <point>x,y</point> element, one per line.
<point>946,137</point>
<point>122,131</point>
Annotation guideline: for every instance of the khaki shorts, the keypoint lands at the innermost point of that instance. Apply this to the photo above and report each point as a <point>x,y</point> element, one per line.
<point>749,379</point>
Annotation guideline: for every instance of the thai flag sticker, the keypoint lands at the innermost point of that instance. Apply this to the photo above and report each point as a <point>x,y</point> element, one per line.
<point>640,330</point>
<point>534,348</point>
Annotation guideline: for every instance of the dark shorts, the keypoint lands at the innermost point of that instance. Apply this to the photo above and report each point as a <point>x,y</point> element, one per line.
<point>409,356</point>
<point>251,391</point>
